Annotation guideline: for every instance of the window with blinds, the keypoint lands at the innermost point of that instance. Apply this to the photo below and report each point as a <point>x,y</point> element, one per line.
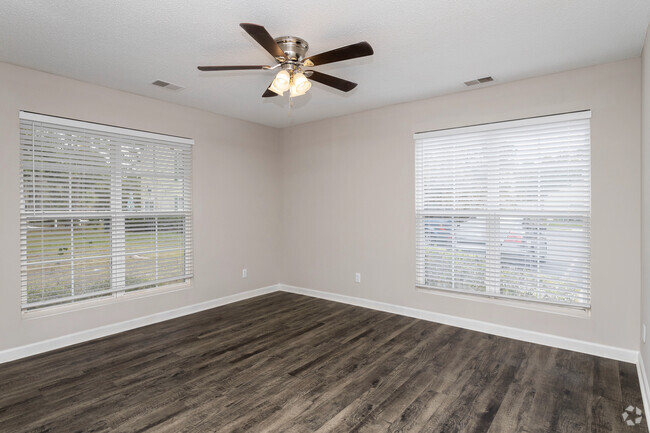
<point>504,209</point>
<point>103,210</point>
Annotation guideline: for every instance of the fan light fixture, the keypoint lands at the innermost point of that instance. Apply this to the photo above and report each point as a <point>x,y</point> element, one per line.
<point>281,83</point>
<point>295,82</point>
<point>299,84</point>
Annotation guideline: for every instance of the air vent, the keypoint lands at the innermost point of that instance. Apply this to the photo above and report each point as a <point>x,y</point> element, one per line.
<point>167,85</point>
<point>479,81</point>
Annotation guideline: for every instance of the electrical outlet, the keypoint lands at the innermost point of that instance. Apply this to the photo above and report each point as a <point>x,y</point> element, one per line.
<point>357,278</point>
<point>643,333</point>
<point>244,273</point>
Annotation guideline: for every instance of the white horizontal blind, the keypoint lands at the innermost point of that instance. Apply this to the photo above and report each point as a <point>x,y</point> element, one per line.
<point>504,209</point>
<point>104,210</point>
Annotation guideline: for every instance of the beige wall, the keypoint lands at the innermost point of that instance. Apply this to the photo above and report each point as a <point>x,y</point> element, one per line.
<point>348,186</point>
<point>337,197</point>
<point>236,187</point>
<point>645,197</point>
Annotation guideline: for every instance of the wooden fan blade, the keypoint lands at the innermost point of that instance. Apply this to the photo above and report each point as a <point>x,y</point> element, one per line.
<point>263,38</point>
<point>329,80</point>
<point>269,93</point>
<point>353,51</point>
<point>232,68</point>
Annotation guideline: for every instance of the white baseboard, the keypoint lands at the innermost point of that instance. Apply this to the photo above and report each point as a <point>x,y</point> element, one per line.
<point>611,352</point>
<point>114,328</point>
<point>643,382</point>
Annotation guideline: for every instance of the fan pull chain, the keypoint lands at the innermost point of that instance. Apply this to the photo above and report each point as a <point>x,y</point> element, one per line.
<point>289,115</point>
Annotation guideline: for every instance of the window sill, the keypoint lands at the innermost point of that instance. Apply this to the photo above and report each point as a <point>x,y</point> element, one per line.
<point>542,307</point>
<point>108,300</point>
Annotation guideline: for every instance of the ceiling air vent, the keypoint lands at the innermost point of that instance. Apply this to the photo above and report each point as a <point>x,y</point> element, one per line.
<point>167,85</point>
<point>479,81</point>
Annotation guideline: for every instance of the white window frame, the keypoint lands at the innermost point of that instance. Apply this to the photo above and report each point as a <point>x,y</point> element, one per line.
<point>118,286</point>
<point>492,245</point>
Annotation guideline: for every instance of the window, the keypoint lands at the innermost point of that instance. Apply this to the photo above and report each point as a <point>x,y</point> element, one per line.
<point>104,210</point>
<point>504,209</point>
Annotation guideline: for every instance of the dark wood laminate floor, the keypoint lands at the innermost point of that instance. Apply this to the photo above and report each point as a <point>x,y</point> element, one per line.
<point>290,363</point>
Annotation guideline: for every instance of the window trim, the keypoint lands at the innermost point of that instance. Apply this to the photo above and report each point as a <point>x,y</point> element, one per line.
<point>514,123</point>
<point>520,303</point>
<point>491,126</point>
<point>117,297</point>
<point>100,127</point>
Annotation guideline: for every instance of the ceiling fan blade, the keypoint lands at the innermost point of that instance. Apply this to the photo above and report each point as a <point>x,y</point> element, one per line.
<point>353,51</point>
<point>269,93</point>
<point>263,38</point>
<point>329,80</point>
<point>232,68</point>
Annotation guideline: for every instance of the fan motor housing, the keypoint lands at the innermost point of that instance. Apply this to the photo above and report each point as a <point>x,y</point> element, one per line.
<point>293,47</point>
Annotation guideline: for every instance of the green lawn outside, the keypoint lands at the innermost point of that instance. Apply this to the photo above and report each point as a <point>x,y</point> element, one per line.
<point>92,273</point>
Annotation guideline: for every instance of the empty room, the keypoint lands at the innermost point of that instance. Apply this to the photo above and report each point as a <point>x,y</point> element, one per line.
<point>370,216</point>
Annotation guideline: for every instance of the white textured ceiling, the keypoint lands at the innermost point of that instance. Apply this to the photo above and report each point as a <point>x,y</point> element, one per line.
<point>422,48</point>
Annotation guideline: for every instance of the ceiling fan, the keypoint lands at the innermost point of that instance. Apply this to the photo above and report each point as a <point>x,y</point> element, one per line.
<point>289,53</point>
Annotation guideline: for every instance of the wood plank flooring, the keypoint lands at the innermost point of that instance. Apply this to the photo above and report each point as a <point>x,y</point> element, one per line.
<point>290,363</point>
